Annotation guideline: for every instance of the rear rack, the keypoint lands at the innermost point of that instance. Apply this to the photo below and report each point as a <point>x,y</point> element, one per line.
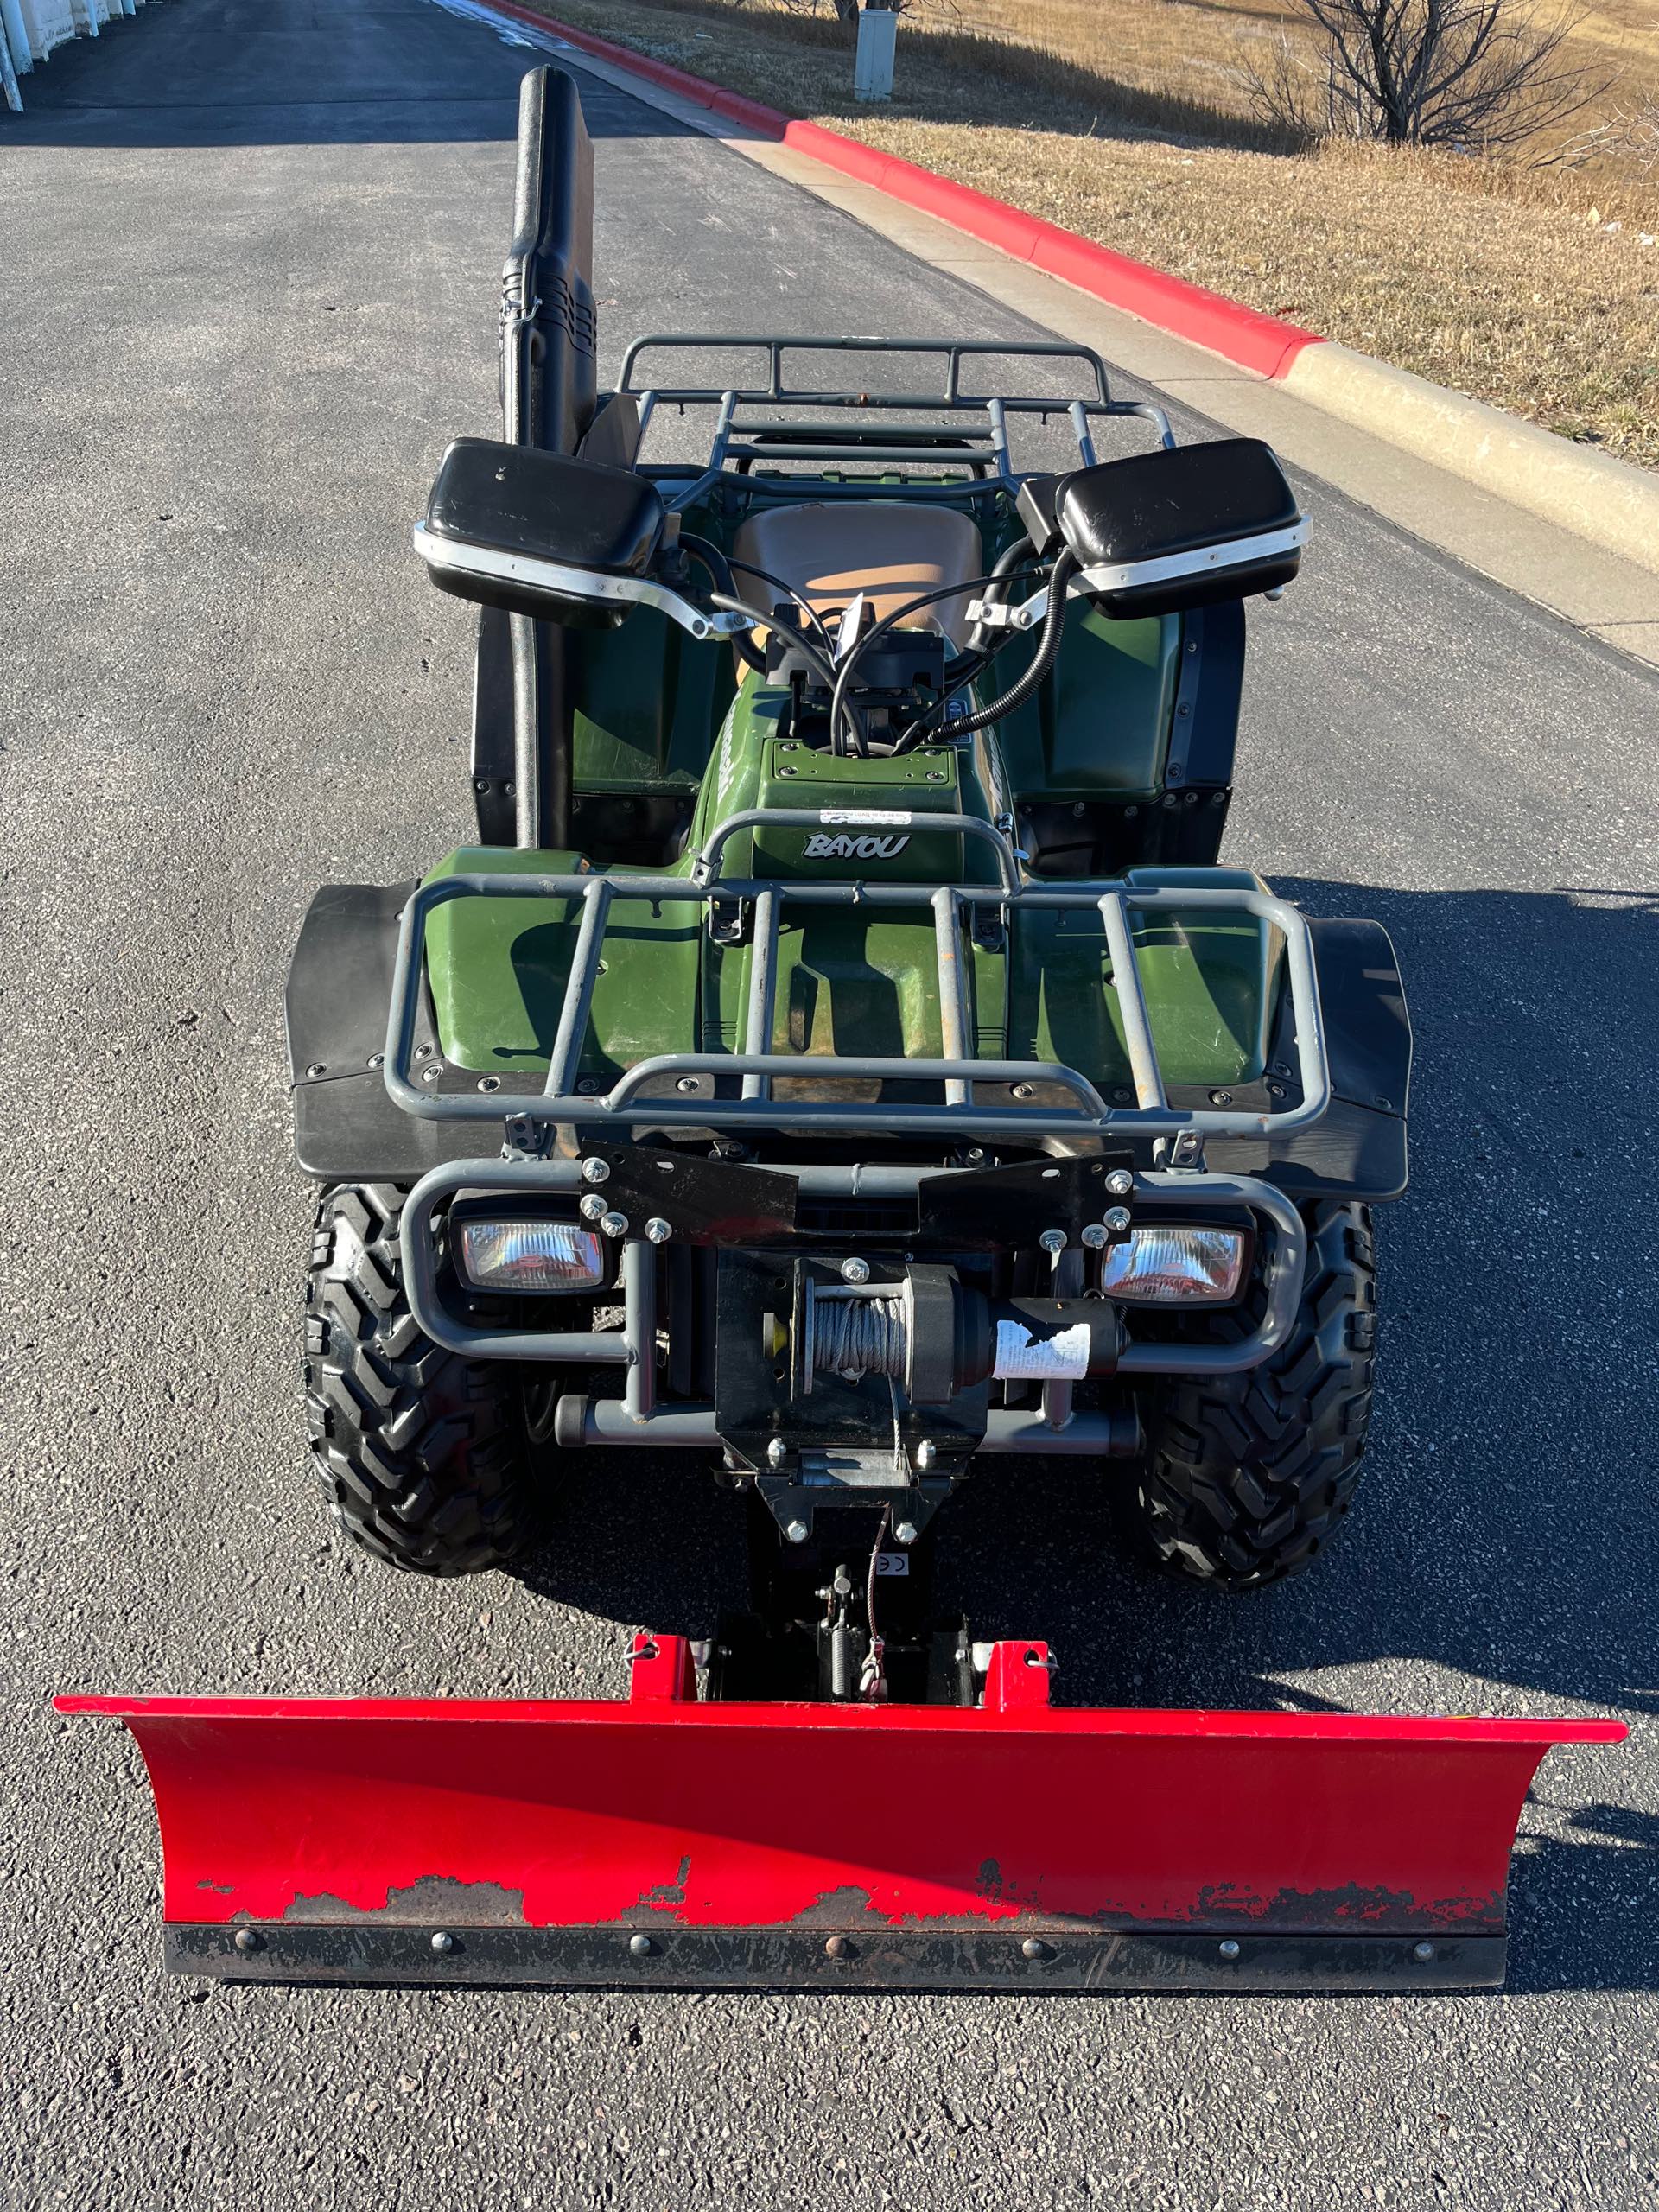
<point>974,439</point>
<point>630,1100</point>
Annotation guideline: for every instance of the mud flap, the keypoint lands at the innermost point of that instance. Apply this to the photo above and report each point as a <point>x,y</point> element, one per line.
<point>665,1842</point>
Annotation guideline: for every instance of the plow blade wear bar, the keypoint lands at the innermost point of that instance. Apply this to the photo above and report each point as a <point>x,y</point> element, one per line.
<point>662,1842</point>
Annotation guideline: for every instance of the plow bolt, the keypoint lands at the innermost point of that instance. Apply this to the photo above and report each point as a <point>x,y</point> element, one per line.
<point>640,1947</point>
<point>442,1940</point>
<point>1423,1952</point>
<point>1228,1948</point>
<point>247,1940</point>
<point>838,1947</point>
<point>1032,1948</point>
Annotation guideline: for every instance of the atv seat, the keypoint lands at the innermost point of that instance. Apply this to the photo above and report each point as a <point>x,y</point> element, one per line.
<point>828,552</point>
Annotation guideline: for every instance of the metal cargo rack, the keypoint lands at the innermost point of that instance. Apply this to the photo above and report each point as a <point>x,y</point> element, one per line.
<point>630,1103</point>
<point>631,1099</point>
<point>974,438</point>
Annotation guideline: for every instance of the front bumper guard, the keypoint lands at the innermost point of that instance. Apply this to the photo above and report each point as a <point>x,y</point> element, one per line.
<point>631,1346</point>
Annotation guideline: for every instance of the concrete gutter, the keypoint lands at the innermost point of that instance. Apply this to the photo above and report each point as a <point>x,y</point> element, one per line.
<point>1606,502</point>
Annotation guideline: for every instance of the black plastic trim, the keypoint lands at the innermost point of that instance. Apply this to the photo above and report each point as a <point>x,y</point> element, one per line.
<point>1357,1148</point>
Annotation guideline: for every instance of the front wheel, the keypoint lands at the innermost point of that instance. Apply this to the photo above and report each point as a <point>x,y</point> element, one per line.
<point>423,1456</point>
<point>1248,1476</point>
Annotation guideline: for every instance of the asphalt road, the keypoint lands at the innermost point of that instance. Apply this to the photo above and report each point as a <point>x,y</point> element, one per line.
<point>237,330</point>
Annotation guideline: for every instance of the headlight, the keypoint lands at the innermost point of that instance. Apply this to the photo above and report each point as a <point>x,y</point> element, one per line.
<point>1166,1266</point>
<point>532,1255</point>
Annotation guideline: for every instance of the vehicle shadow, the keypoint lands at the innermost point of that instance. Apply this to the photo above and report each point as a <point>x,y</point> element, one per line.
<point>1581,1903</point>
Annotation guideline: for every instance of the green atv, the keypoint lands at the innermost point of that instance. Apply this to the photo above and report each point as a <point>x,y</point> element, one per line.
<point>842,1053</point>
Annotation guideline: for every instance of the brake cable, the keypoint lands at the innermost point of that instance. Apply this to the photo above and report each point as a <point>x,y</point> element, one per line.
<point>721,566</point>
<point>839,712</point>
<point>1042,660</point>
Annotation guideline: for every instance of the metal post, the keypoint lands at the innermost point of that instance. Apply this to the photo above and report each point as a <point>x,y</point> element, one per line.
<point>566,1057</point>
<point>1137,1027</point>
<point>8,74</point>
<point>16,36</point>
<point>763,989</point>
<point>526,732</point>
<point>639,1326</point>
<point>1067,1283</point>
<point>953,999</point>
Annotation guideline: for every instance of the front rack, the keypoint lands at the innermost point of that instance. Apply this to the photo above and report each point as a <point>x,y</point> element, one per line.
<point>632,1100</point>
<point>974,439</point>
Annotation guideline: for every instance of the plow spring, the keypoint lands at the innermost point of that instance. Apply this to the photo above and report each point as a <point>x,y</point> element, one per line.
<point>665,1842</point>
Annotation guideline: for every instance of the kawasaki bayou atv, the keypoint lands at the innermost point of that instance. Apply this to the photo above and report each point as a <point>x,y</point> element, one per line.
<point>843,1053</point>
<point>842,1056</point>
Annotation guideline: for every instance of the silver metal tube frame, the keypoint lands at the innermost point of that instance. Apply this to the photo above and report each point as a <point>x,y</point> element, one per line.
<point>633,1346</point>
<point>628,1102</point>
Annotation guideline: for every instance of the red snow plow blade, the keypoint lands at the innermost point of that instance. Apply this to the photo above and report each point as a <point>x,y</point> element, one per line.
<point>664,1843</point>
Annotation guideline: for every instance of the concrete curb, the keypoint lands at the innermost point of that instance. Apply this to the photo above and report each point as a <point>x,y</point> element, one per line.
<point>1607,502</point>
<point>1261,342</point>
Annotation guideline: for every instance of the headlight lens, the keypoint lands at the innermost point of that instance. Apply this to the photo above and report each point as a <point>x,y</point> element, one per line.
<point>1169,1266</point>
<point>532,1255</point>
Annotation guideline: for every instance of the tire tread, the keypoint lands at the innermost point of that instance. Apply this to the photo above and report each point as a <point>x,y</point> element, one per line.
<point>1250,1476</point>
<point>420,1453</point>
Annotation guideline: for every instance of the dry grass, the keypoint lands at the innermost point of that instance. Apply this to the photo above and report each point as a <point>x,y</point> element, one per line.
<point>1128,122</point>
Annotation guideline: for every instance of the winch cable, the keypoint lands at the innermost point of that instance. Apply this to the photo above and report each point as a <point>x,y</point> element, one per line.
<point>858,1336</point>
<point>872,1680</point>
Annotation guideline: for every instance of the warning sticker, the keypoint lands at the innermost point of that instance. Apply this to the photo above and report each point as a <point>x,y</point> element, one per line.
<point>1063,1357</point>
<point>873,818</point>
<point>892,1563</point>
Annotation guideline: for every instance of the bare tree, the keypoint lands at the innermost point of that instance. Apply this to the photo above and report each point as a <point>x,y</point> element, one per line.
<point>1628,133</point>
<point>1478,74</point>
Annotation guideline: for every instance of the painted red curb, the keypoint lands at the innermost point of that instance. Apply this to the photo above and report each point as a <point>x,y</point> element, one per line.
<point>767,120</point>
<point>1263,343</point>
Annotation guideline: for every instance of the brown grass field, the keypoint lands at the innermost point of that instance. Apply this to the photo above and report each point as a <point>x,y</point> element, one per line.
<point>1128,120</point>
